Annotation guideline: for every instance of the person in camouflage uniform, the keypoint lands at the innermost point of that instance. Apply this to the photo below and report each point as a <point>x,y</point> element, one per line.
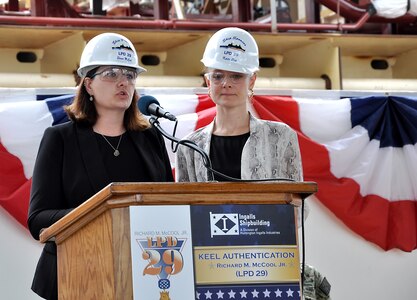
<point>316,286</point>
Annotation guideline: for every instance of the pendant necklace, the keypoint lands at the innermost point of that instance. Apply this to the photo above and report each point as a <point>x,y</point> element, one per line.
<point>116,150</point>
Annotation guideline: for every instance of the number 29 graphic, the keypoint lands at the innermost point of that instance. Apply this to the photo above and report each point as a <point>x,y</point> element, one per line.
<point>169,262</point>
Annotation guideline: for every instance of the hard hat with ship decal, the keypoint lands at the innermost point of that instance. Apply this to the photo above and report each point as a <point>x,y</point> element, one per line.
<point>232,49</point>
<point>109,49</point>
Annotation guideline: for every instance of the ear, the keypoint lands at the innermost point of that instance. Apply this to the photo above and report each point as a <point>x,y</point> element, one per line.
<point>252,80</point>
<point>87,84</point>
<point>207,80</point>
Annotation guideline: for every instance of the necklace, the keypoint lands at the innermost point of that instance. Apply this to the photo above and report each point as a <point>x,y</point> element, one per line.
<point>116,150</point>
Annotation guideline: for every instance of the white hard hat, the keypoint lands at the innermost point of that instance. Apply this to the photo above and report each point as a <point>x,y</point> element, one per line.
<point>232,49</point>
<point>109,49</point>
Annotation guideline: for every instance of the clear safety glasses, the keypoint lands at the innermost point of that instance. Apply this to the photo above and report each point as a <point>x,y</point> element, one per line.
<point>115,74</point>
<point>220,77</point>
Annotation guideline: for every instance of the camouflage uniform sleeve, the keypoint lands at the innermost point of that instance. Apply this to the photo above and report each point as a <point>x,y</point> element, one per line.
<point>316,286</point>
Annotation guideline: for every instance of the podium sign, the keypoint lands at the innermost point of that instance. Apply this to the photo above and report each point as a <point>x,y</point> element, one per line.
<point>247,252</point>
<point>162,261</point>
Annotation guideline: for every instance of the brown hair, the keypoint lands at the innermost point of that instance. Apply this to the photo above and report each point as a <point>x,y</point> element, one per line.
<point>84,111</point>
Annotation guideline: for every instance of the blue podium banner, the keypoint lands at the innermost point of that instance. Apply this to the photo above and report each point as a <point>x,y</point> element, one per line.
<point>245,252</point>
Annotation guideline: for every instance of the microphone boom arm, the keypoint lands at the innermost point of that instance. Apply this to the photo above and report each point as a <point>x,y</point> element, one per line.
<point>192,145</point>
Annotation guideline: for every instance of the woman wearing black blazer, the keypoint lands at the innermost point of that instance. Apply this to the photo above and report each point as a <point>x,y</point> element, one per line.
<point>107,140</point>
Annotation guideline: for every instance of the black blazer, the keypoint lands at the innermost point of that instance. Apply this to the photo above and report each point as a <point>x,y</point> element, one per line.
<point>69,170</point>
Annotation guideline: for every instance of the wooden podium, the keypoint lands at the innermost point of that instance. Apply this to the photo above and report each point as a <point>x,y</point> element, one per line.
<point>93,241</point>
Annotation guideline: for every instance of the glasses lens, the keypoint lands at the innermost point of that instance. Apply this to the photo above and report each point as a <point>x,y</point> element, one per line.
<point>236,77</point>
<point>217,78</point>
<point>130,75</point>
<point>110,74</point>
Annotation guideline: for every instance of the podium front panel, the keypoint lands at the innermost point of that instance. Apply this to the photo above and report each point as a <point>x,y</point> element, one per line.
<point>242,249</point>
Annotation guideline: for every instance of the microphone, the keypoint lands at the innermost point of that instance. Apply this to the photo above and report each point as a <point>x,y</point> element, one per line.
<point>148,105</point>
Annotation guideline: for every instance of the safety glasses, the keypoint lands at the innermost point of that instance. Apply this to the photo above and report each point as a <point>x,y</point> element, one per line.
<point>115,74</point>
<point>218,78</point>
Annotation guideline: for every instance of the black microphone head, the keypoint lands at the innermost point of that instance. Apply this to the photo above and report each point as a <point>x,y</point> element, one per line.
<point>144,103</point>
